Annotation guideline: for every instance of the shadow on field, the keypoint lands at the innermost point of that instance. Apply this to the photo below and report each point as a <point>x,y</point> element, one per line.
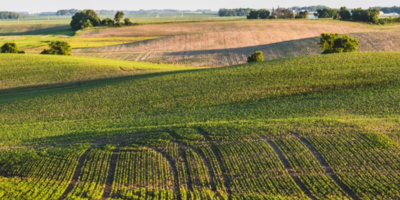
<point>20,93</point>
<point>15,30</point>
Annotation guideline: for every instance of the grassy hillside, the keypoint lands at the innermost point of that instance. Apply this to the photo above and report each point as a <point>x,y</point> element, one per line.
<point>33,70</point>
<point>229,43</point>
<point>316,127</point>
<point>318,86</point>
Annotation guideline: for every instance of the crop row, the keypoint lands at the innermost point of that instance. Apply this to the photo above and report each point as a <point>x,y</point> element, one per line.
<point>367,163</point>
<point>36,174</point>
<point>93,177</point>
<point>142,172</point>
<point>253,167</point>
<point>309,170</point>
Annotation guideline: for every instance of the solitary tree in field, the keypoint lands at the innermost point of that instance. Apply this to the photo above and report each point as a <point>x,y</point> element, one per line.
<point>9,48</point>
<point>58,48</point>
<point>118,16</point>
<point>256,57</point>
<point>333,43</point>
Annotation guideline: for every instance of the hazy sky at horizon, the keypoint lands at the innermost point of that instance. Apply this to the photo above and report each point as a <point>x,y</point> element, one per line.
<point>34,6</point>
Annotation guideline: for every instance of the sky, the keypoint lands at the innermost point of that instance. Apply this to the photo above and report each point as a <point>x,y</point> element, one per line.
<point>34,6</point>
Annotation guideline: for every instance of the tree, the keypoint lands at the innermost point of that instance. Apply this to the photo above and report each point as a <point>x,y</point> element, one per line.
<point>369,15</point>
<point>256,57</point>
<point>58,48</point>
<point>332,43</point>
<point>344,13</point>
<point>118,16</point>
<point>326,13</point>
<point>263,14</point>
<point>253,14</point>
<point>9,48</point>
<point>84,19</point>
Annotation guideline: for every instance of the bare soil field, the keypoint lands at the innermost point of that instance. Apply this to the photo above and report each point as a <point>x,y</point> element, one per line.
<point>228,43</point>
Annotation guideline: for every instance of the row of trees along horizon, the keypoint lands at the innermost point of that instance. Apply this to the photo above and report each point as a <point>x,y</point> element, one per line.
<point>370,15</point>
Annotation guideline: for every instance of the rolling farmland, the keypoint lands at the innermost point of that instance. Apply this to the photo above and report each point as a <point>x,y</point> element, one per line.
<point>148,112</point>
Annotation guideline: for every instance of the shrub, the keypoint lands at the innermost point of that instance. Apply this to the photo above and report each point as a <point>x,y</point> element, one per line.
<point>107,22</point>
<point>256,57</point>
<point>84,19</point>
<point>127,22</point>
<point>58,48</point>
<point>332,43</point>
<point>9,48</point>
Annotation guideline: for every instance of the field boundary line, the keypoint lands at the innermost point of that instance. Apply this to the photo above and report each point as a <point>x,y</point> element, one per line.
<point>328,170</point>
<point>288,168</point>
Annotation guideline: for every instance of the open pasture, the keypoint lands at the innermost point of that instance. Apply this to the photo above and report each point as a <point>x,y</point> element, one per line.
<point>229,43</point>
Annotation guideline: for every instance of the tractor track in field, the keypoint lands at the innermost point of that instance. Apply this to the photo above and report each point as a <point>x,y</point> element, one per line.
<point>288,168</point>
<point>202,157</point>
<point>110,176</point>
<point>172,163</point>
<point>220,163</point>
<point>328,170</point>
<point>75,177</point>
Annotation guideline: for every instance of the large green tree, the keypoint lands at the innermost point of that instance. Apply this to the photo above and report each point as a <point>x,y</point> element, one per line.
<point>344,13</point>
<point>118,16</point>
<point>333,43</point>
<point>84,19</point>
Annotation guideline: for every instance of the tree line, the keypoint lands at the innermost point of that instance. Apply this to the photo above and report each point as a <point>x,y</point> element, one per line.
<point>89,18</point>
<point>10,15</point>
<point>370,15</point>
<point>234,12</point>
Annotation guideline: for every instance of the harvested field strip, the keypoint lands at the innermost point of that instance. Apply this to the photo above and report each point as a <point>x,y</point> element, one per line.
<point>385,41</point>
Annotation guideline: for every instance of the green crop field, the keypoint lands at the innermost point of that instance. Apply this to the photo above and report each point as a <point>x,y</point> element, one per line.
<point>131,115</point>
<point>316,127</point>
